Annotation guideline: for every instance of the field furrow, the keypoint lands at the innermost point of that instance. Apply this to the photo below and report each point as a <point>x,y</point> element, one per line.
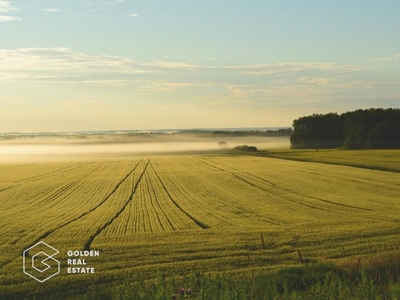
<point>323,189</point>
<point>152,210</point>
<point>180,214</point>
<point>11,177</point>
<point>195,186</point>
<point>73,204</point>
<point>119,212</point>
<point>278,190</point>
<point>90,210</point>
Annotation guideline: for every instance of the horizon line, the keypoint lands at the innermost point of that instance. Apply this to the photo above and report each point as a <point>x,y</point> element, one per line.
<point>146,130</point>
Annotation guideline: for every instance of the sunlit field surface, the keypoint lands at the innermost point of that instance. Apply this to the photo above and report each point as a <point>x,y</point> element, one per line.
<point>186,213</point>
<point>386,160</point>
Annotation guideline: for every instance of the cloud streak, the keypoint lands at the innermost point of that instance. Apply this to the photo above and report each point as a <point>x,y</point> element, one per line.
<point>387,58</point>
<point>295,67</point>
<point>5,7</point>
<point>9,19</point>
<point>63,60</point>
<point>263,69</point>
<point>52,10</point>
<point>294,82</point>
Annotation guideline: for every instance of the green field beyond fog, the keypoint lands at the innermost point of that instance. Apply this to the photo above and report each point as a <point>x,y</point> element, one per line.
<point>188,213</point>
<point>385,160</point>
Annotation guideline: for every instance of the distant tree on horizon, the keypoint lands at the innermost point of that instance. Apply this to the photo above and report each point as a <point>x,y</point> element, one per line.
<point>373,128</point>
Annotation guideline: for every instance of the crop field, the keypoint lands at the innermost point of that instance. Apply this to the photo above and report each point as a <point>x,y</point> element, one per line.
<point>386,160</point>
<point>181,214</point>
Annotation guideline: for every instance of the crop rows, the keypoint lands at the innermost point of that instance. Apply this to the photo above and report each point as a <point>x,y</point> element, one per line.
<point>202,212</point>
<point>45,207</point>
<point>342,189</point>
<point>209,196</point>
<point>152,209</point>
<point>89,224</point>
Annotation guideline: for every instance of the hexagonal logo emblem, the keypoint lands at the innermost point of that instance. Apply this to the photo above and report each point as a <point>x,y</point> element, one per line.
<point>39,263</point>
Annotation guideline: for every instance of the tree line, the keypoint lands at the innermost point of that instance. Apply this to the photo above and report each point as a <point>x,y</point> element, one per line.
<point>273,133</point>
<point>374,128</point>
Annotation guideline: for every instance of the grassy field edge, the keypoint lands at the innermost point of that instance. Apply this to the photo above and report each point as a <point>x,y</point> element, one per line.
<point>389,160</point>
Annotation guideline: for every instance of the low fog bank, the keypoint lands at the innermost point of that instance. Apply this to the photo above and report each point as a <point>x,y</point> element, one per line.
<point>44,149</point>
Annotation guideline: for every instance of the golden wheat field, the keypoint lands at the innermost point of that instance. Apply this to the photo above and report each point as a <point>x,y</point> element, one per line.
<point>180,214</point>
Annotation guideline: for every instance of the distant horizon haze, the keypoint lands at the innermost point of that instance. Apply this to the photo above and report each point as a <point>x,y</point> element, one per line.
<point>153,130</point>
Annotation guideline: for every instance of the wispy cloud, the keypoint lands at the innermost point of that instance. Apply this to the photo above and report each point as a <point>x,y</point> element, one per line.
<point>166,86</point>
<point>316,80</point>
<point>63,59</point>
<point>172,65</point>
<point>52,10</point>
<point>160,86</point>
<point>237,90</point>
<point>133,15</point>
<point>307,91</point>
<point>9,19</point>
<point>387,58</point>
<point>258,96</point>
<point>297,81</point>
<point>67,66</point>
<point>262,69</point>
<point>364,84</point>
<point>295,67</point>
<point>296,93</point>
<point>5,7</point>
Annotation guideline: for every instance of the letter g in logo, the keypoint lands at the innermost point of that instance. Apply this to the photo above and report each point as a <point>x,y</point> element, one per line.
<point>42,265</point>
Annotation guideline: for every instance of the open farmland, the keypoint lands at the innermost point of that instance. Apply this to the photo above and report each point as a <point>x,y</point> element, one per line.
<point>385,160</point>
<point>180,214</point>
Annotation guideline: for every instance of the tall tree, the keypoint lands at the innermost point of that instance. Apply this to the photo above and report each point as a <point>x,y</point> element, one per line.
<point>360,129</point>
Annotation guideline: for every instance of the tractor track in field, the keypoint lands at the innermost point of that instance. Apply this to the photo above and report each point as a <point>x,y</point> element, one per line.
<point>372,182</point>
<point>272,221</point>
<point>60,191</point>
<point>262,180</point>
<point>148,184</point>
<point>8,188</point>
<point>197,222</point>
<point>45,175</point>
<point>108,223</point>
<point>279,196</point>
<point>354,178</point>
<point>264,190</point>
<point>218,217</point>
<point>46,234</point>
<point>52,173</point>
<point>56,194</point>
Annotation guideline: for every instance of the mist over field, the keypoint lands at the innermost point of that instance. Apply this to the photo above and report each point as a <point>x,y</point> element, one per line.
<point>45,148</point>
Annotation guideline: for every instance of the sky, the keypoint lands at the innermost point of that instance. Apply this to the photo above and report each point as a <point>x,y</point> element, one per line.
<point>71,65</point>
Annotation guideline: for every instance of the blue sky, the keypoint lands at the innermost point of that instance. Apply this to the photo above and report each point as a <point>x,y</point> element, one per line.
<point>93,64</point>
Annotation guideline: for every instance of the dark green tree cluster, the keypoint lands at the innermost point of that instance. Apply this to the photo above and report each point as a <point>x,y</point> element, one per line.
<point>318,131</point>
<point>374,128</point>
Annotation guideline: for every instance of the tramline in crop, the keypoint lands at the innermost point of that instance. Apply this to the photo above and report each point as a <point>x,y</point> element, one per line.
<point>189,213</point>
